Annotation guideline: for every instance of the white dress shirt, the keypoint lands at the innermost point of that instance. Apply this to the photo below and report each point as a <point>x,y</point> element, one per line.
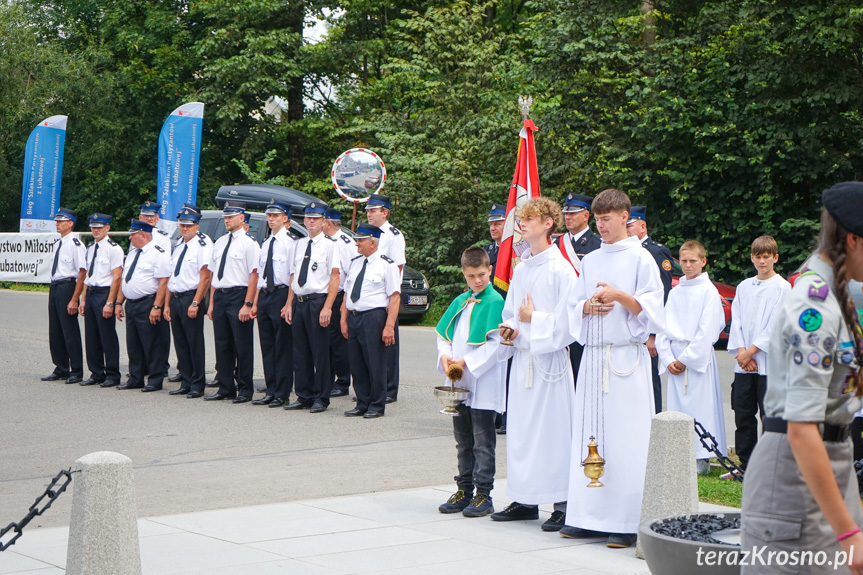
<point>392,244</point>
<point>347,250</point>
<point>72,257</point>
<point>380,281</point>
<point>198,254</point>
<point>153,264</point>
<point>242,260</point>
<point>108,258</point>
<point>322,261</point>
<point>283,258</point>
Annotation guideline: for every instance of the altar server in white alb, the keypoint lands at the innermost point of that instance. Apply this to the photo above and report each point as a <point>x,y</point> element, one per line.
<point>623,279</point>
<point>541,388</point>
<point>693,322</point>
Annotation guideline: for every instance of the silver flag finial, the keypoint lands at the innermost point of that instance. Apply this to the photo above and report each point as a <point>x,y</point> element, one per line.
<point>524,103</point>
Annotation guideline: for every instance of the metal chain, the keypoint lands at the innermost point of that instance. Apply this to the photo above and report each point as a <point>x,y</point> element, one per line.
<point>35,510</point>
<point>713,447</point>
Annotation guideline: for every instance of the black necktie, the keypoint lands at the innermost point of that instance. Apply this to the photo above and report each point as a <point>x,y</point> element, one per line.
<point>56,257</point>
<point>132,267</point>
<point>180,261</point>
<point>225,257</point>
<point>304,269</point>
<point>268,268</point>
<point>93,261</point>
<point>358,283</point>
<point>572,240</point>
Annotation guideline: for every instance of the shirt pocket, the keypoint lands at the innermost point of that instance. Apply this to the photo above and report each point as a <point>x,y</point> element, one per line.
<point>770,528</point>
<point>375,279</point>
<point>235,255</point>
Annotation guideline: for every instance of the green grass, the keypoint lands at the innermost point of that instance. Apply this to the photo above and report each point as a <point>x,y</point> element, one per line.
<point>15,286</point>
<point>711,489</point>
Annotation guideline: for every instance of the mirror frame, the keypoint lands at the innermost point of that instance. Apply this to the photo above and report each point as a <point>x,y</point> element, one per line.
<point>346,195</point>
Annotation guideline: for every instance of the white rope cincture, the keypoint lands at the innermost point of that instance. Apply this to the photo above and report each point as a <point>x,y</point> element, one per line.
<point>549,376</point>
<point>685,372</point>
<point>605,349</point>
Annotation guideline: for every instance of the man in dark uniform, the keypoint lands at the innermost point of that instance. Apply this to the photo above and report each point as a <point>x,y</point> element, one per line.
<point>67,281</point>
<point>578,241</point>
<point>347,250</point>
<point>104,262</point>
<point>368,319</point>
<point>636,225</point>
<point>144,287</point>
<point>496,218</point>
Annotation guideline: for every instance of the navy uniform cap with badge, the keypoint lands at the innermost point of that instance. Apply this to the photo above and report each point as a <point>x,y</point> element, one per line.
<point>497,213</point>
<point>660,253</point>
<point>161,237</point>
<point>588,241</point>
<point>102,256</point>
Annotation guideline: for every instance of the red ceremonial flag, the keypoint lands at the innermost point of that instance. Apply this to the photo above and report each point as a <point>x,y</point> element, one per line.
<point>525,185</point>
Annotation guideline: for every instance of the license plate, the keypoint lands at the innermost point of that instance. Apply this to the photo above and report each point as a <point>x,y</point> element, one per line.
<point>417,299</point>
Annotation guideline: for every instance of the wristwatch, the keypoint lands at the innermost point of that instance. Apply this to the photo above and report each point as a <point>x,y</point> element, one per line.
<point>110,304</point>
<point>248,304</point>
<point>157,307</point>
<point>194,303</point>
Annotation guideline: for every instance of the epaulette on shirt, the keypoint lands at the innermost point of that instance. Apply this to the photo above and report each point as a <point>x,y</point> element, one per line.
<point>202,242</point>
<point>818,288</point>
<point>387,259</point>
<point>111,242</point>
<point>163,232</point>
<point>250,235</point>
<point>160,248</point>
<point>356,258</point>
<point>345,238</point>
<point>331,238</point>
<point>77,241</point>
<point>394,230</point>
<point>201,235</point>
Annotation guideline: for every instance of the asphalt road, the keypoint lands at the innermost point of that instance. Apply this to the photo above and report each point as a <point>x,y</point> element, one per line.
<point>191,455</point>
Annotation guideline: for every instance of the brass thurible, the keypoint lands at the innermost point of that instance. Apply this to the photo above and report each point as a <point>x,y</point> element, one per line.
<point>594,465</point>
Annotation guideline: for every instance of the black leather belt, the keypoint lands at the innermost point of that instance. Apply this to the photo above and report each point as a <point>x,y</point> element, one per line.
<point>98,289</point>
<point>184,293</point>
<point>302,298</point>
<point>151,296</point>
<point>64,281</point>
<point>278,287</point>
<point>354,312</point>
<point>831,433</point>
<point>231,289</point>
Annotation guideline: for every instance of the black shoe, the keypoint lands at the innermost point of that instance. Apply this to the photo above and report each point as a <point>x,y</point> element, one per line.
<point>373,414</point>
<point>73,379</point>
<point>480,506</point>
<point>579,533</point>
<point>152,388</point>
<point>212,384</point>
<point>517,512</point>
<point>175,378</point>
<point>241,399</point>
<point>128,385</point>
<point>621,540</point>
<point>318,407</point>
<point>264,400</point>
<point>277,402</point>
<point>195,395</point>
<point>297,405</point>
<point>355,412</point>
<point>109,383</point>
<point>555,522</point>
<point>501,430</point>
<point>54,377</point>
<point>180,391</point>
<point>91,381</point>
<point>217,397</point>
<point>457,502</point>
<point>338,392</point>
<point>391,400</point>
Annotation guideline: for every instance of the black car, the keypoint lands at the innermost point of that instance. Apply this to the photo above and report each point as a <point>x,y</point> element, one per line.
<point>257,196</point>
<point>414,290</point>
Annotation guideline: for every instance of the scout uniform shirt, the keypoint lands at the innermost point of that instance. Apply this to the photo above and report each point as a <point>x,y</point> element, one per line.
<point>322,259</point>
<point>380,281</point>
<point>187,261</point>
<point>70,256</point>
<point>102,258</point>
<point>812,360</point>
<point>150,265</point>
<point>283,258</point>
<point>241,259</point>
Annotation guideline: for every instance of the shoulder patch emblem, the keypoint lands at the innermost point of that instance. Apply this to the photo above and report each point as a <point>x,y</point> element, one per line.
<point>163,232</point>
<point>828,343</point>
<point>819,289</point>
<point>847,357</point>
<point>810,319</point>
<point>798,357</point>
<point>394,230</point>
<point>387,259</point>
<point>76,241</point>
<point>666,265</point>
<point>345,238</point>
<point>160,248</point>
<point>202,242</point>
<point>827,362</point>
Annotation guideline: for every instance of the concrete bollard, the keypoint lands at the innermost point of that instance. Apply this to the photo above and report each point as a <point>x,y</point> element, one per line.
<point>103,530</point>
<point>671,483</point>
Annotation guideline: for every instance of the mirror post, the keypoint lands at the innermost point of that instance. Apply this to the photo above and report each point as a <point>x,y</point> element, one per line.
<point>354,219</point>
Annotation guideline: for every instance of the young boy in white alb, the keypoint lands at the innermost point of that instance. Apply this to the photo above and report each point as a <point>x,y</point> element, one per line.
<point>751,319</point>
<point>693,322</point>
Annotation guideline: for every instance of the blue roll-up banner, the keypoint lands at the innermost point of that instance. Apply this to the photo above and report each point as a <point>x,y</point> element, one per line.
<point>43,171</point>
<point>179,155</point>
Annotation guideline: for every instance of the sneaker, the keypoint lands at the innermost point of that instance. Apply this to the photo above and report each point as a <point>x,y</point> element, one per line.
<point>479,506</point>
<point>555,522</point>
<point>731,475</point>
<point>517,512</point>
<point>702,466</point>
<point>621,540</point>
<point>457,502</point>
<point>579,533</point>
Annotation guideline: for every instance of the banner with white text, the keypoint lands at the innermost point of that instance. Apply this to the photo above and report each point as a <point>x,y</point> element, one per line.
<point>43,172</point>
<point>179,156</point>
<point>27,258</point>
